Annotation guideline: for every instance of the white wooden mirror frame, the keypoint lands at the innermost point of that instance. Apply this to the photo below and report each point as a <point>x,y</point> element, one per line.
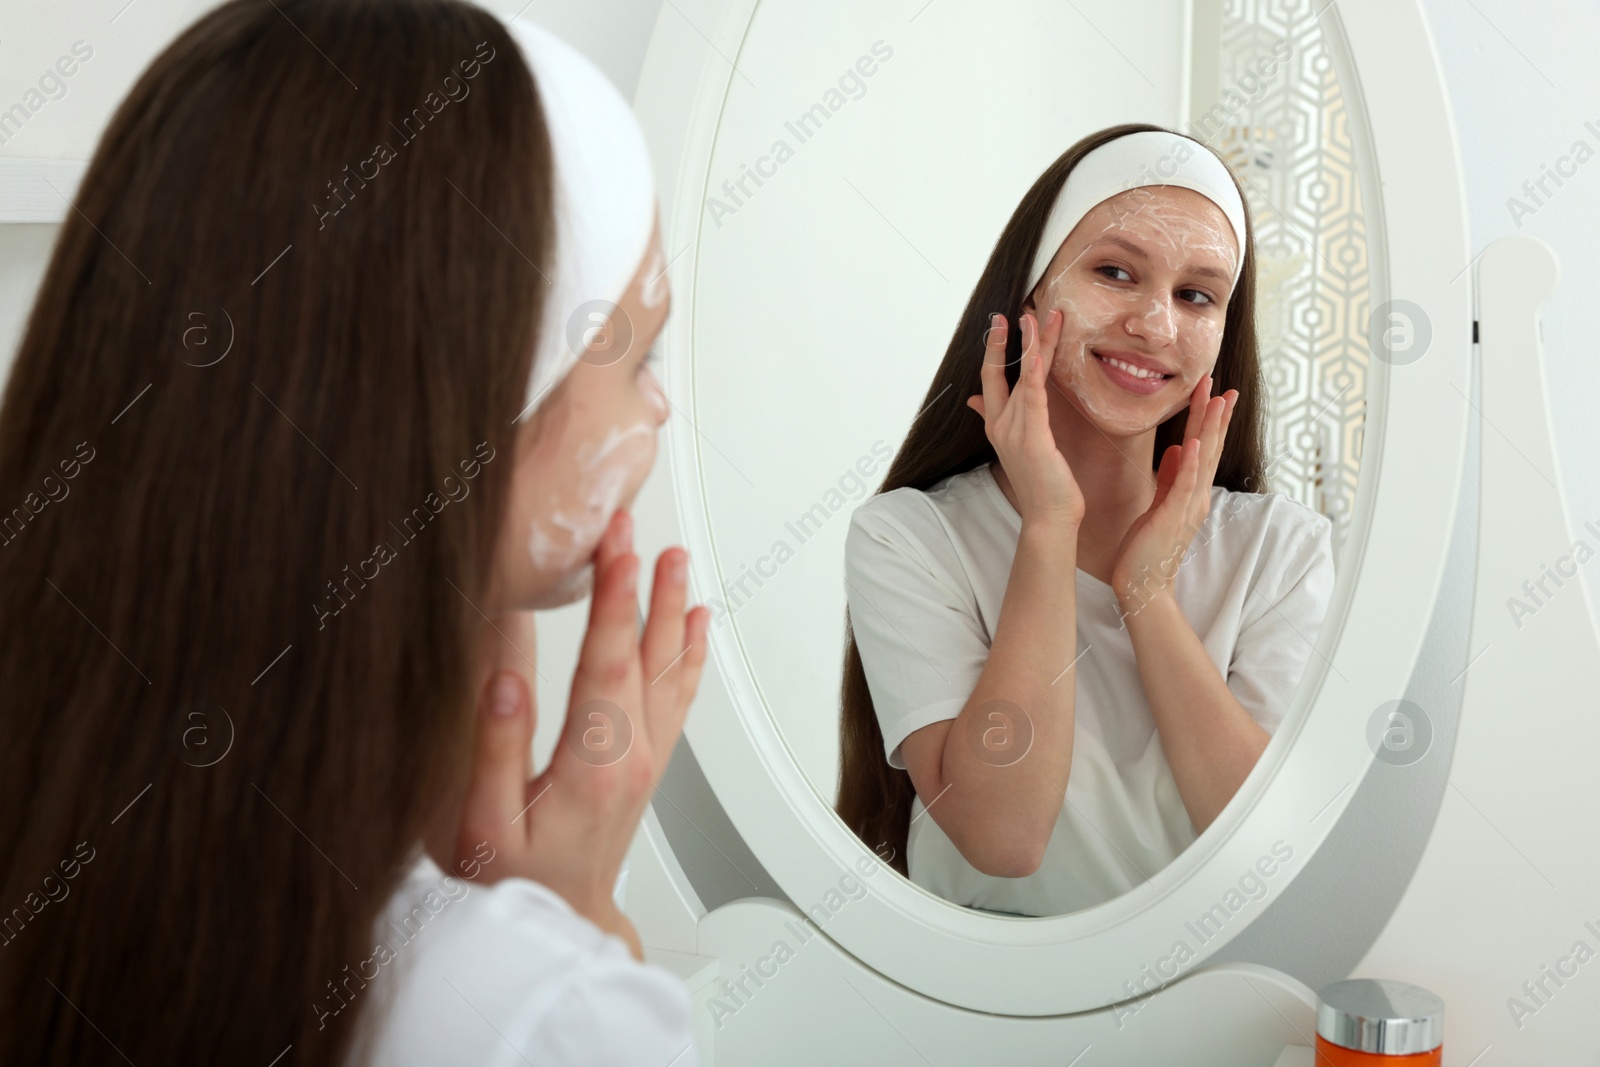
<point>1390,576</point>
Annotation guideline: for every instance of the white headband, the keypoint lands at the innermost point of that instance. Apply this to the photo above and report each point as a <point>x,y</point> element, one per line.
<point>1149,157</point>
<point>605,198</point>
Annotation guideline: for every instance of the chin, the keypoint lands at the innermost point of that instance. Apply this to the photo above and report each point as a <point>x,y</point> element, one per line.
<point>1118,414</point>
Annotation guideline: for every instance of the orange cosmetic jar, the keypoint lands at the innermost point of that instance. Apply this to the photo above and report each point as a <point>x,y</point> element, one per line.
<point>1367,1022</point>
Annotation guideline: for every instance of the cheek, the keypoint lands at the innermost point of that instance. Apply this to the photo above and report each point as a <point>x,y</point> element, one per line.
<point>1198,345</point>
<point>1088,313</point>
<point>596,477</point>
<point>1089,310</point>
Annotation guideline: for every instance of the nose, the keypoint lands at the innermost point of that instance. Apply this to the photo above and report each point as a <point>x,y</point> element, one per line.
<point>1153,318</point>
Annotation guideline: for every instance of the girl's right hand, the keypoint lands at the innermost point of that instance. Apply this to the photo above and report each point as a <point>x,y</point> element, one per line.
<point>1018,425</point>
<point>571,827</point>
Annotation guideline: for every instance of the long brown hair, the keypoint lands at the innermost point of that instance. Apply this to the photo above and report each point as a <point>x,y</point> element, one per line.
<point>255,452</point>
<point>948,437</point>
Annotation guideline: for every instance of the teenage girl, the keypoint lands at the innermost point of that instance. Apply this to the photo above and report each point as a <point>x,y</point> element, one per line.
<point>1076,613</point>
<point>342,353</point>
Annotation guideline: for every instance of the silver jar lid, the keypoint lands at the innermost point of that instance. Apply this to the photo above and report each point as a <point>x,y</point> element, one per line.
<point>1373,1015</point>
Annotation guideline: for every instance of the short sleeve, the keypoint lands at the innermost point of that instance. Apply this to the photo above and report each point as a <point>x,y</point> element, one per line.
<point>1273,649</point>
<point>914,619</point>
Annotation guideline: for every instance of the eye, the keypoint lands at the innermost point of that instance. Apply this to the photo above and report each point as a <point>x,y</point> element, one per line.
<point>1197,292</point>
<point>1113,266</point>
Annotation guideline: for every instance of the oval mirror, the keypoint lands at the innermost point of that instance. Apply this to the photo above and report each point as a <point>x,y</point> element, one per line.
<point>834,181</point>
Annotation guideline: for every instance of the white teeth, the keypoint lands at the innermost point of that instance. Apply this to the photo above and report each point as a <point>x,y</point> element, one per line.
<point>1137,372</point>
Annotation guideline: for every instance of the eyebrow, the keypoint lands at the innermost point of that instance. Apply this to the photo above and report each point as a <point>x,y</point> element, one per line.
<point>1133,249</point>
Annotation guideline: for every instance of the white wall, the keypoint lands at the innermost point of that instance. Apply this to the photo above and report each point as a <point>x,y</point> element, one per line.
<point>1522,81</point>
<point>122,37</point>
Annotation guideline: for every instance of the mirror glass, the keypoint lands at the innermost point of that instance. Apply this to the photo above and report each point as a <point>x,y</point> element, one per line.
<point>865,164</point>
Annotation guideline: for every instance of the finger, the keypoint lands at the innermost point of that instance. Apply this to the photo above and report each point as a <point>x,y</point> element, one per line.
<point>995,390</point>
<point>1050,337</point>
<point>1232,398</point>
<point>1174,516</point>
<point>663,631</point>
<point>994,340</point>
<point>1167,474</point>
<point>608,662</point>
<point>1036,368</point>
<point>1218,435</point>
<point>684,679</point>
<point>1175,501</point>
<point>697,624</point>
<point>1026,325</point>
<point>1211,436</point>
<point>1218,409</point>
<point>502,759</point>
<point>1197,407</point>
<point>1183,486</point>
<point>614,541</point>
<point>1034,350</point>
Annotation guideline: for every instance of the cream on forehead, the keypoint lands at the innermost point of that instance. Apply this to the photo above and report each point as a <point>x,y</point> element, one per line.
<point>1143,159</point>
<point>1174,236</point>
<point>1185,235</point>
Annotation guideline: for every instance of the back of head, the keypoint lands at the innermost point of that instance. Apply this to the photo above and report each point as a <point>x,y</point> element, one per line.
<point>254,455</point>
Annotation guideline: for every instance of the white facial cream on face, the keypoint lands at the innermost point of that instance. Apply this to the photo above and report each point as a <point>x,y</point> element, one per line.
<point>563,538</point>
<point>1102,310</point>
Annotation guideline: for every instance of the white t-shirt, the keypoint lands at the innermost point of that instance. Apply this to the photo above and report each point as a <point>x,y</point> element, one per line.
<point>926,576</point>
<point>507,974</point>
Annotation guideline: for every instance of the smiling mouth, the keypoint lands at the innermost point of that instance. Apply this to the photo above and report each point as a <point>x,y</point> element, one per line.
<point>1130,369</point>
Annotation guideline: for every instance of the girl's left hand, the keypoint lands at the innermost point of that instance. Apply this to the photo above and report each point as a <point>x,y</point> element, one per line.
<point>1154,546</point>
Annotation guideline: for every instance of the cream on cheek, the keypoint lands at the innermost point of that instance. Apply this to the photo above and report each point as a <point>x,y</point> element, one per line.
<point>1086,310</point>
<point>567,528</point>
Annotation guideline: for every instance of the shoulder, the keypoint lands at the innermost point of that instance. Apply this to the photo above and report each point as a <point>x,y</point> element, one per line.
<point>1278,523</point>
<point>939,533</point>
<point>924,521</point>
<point>1270,544</point>
<point>905,505</point>
<point>934,514</point>
<point>470,973</point>
<point>1269,539</point>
